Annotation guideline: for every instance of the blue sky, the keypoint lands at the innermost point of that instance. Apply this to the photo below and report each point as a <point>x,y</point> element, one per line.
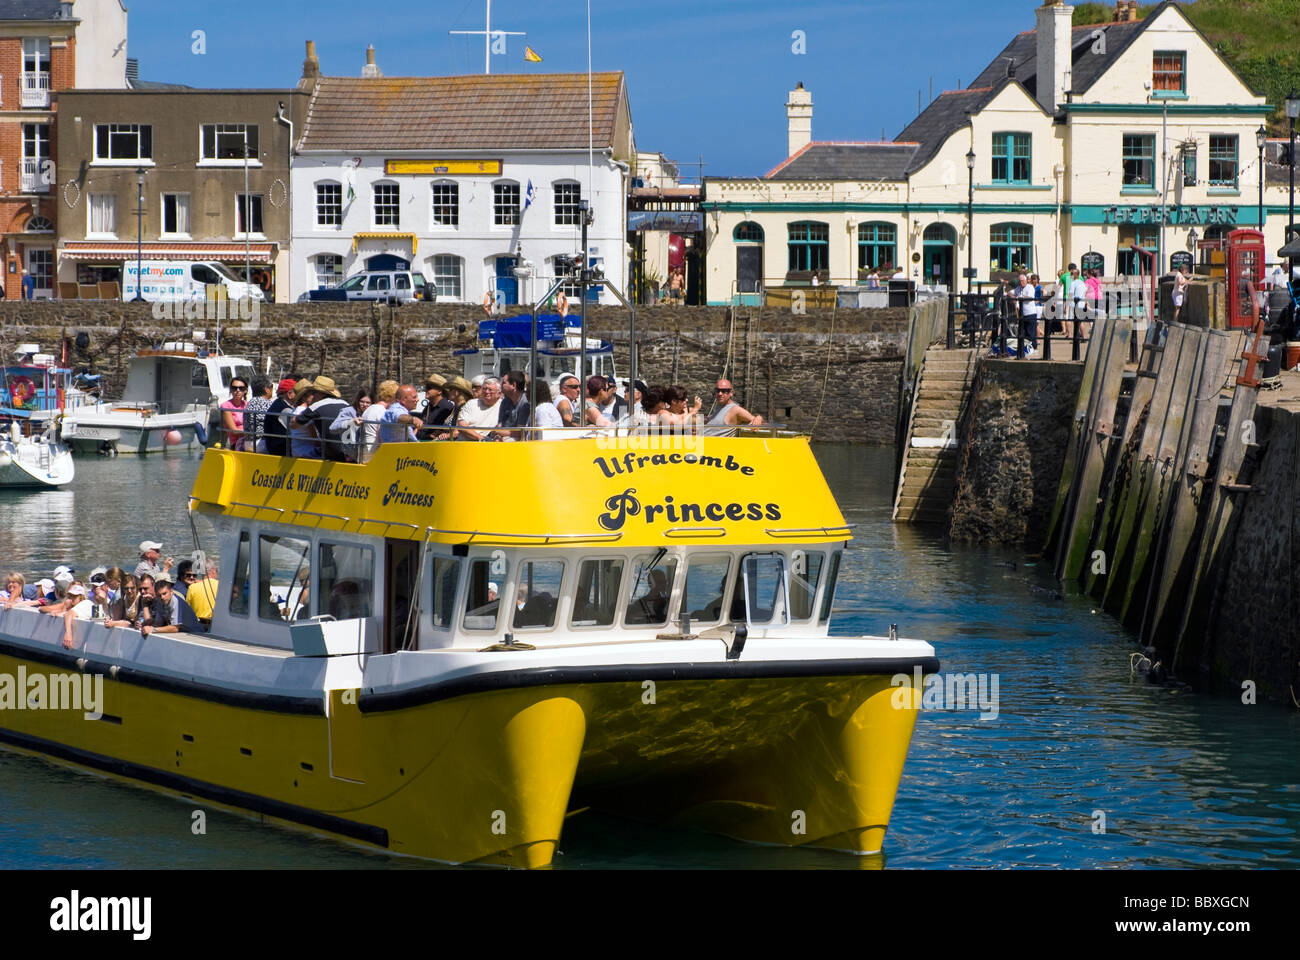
<point>708,77</point>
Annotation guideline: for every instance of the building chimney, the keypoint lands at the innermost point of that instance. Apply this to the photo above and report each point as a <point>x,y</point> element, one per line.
<point>1132,11</point>
<point>370,69</point>
<point>1053,48</point>
<point>311,64</point>
<point>132,71</point>
<point>798,113</point>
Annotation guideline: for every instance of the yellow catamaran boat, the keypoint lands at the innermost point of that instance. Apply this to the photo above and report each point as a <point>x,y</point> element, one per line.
<point>443,651</point>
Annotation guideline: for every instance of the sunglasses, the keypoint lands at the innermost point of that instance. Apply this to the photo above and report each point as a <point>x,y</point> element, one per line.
<point>239,389</point>
<point>722,389</point>
<point>191,576</point>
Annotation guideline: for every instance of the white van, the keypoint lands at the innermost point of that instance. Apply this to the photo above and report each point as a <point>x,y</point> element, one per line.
<point>185,280</point>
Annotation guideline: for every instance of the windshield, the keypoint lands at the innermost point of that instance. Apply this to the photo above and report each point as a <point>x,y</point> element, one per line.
<point>353,283</point>
<point>222,269</point>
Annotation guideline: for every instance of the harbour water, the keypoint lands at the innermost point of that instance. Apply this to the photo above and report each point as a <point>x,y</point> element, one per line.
<point>1084,766</point>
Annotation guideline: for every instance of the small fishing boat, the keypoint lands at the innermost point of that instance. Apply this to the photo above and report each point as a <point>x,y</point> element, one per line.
<point>32,454</point>
<point>171,397</point>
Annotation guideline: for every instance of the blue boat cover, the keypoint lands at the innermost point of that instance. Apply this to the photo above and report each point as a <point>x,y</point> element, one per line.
<point>513,332</point>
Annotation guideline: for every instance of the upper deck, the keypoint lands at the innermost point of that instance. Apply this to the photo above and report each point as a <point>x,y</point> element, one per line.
<point>630,491</point>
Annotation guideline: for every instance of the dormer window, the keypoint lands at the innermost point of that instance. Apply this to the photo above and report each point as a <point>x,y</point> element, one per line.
<point>1168,73</point>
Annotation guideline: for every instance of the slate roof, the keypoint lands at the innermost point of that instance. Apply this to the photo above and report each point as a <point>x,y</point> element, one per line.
<point>946,113</point>
<point>493,112</point>
<point>846,161</point>
<point>31,10</point>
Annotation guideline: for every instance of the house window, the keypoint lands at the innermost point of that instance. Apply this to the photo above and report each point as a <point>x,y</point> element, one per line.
<point>447,273</point>
<point>566,268</point>
<point>36,55</point>
<point>877,244</point>
<point>328,269</point>
<point>388,208</point>
<point>1223,161</point>
<point>36,141</point>
<point>1139,160</point>
<point>1011,158</point>
<point>40,264</point>
<point>123,141</point>
<point>1189,165</point>
<point>446,205</point>
<point>1167,72</point>
<point>1010,246</point>
<point>567,199</point>
<point>747,232</point>
<point>176,213</point>
<point>103,215</point>
<point>248,213</point>
<point>329,204</point>
<point>505,204</point>
<point>810,245</point>
<point>225,141</point>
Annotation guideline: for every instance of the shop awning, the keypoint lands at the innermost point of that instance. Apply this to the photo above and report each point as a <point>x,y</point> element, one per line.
<point>401,237</point>
<point>261,253</point>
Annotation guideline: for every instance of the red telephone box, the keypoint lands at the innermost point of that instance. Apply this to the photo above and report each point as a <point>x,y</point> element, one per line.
<point>1245,269</point>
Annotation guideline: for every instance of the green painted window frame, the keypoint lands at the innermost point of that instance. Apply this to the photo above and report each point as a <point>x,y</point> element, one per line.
<point>1138,148</point>
<point>1157,73</point>
<point>1189,167</point>
<point>1011,158</point>
<point>1224,161</point>
<point>877,245</point>
<point>809,245</point>
<point>747,231</point>
<point>1005,239</point>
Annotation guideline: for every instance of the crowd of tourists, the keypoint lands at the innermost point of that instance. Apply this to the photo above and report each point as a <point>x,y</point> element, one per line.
<point>309,417</point>
<point>159,595</point>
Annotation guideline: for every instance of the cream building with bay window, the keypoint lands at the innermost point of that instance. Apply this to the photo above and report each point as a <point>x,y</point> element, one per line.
<point>1074,140</point>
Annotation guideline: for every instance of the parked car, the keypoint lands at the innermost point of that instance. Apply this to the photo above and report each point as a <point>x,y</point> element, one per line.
<point>386,286</point>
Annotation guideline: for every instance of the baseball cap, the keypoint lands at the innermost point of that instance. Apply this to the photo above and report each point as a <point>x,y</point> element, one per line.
<point>286,385</point>
<point>61,569</point>
<point>64,577</point>
<point>45,585</point>
<point>493,587</point>
<point>76,590</point>
<point>99,575</point>
<point>147,545</point>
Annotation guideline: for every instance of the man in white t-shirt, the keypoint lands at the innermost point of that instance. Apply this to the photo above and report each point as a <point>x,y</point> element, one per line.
<point>479,416</point>
<point>368,438</point>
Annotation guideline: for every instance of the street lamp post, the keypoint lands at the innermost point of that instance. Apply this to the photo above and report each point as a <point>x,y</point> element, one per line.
<point>139,235</point>
<point>970,218</point>
<point>1261,140</point>
<point>1292,111</point>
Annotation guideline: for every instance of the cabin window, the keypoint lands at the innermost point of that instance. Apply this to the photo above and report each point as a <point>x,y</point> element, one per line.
<point>760,591</point>
<point>828,592</point>
<point>706,587</point>
<point>538,593</point>
<point>596,599</point>
<point>805,571</point>
<point>239,586</point>
<point>652,587</point>
<point>482,596</point>
<point>446,577</point>
<point>199,376</point>
<point>347,580</point>
<point>284,578</point>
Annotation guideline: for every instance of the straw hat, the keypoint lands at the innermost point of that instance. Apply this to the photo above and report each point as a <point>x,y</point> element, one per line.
<point>300,388</point>
<point>326,385</point>
<point>461,385</point>
<point>435,380</point>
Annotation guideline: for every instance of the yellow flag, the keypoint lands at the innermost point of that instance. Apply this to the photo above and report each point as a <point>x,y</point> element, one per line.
<point>531,55</point>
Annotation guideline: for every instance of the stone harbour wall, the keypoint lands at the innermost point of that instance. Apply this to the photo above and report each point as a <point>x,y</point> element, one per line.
<point>833,372</point>
<point>1015,448</point>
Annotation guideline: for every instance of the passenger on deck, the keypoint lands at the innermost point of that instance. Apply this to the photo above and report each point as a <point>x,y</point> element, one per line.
<point>437,408</point>
<point>113,576</point>
<point>276,436</point>
<point>399,423</point>
<point>302,438</point>
<point>12,595</point>
<point>132,603</point>
<point>547,416</point>
<point>325,403</point>
<point>566,404</point>
<point>678,415</point>
<point>515,409</point>
<point>67,598</point>
<point>170,614</point>
<point>75,607</point>
<point>149,559</point>
<point>232,413</point>
<point>255,415</point>
<point>103,605</point>
<point>479,416</point>
<point>730,413</point>
<point>461,392</point>
<point>185,575</point>
<point>202,595</point>
<point>598,391</point>
<point>653,404</point>
<point>372,419</point>
<point>615,408</point>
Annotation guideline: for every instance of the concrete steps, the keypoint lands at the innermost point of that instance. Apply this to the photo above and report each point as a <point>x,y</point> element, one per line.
<point>927,484</point>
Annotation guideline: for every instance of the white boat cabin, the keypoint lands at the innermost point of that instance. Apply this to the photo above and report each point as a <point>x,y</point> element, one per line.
<point>180,376</point>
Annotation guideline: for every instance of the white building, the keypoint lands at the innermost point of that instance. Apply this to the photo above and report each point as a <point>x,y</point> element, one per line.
<point>461,177</point>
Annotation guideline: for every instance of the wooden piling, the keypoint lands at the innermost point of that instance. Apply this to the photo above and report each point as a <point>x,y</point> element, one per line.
<point>1132,494</point>
<point>1191,470</point>
<point>1184,377</point>
<point>1073,452</point>
<point>1097,433</point>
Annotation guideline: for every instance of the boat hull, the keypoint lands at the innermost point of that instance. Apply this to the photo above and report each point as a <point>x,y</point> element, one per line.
<point>489,776</point>
<point>34,466</point>
<point>87,431</point>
